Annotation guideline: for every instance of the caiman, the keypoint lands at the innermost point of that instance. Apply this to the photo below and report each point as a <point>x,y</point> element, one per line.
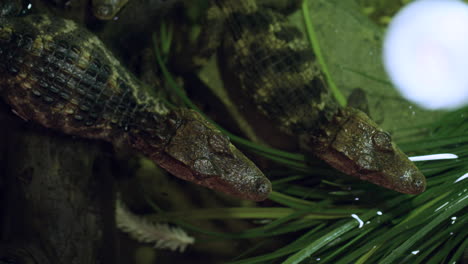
<point>58,74</point>
<point>275,65</point>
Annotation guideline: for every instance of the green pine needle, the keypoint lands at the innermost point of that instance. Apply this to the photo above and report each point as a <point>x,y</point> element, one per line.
<point>396,228</point>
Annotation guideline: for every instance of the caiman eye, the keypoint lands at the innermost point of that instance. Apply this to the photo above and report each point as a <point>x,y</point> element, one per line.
<point>382,141</point>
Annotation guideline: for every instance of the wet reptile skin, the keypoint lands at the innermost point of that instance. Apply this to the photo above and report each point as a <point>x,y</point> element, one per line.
<point>61,76</point>
<point>274,64</point>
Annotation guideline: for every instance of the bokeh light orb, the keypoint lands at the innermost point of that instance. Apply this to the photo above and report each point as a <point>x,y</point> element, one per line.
<point>425,53</point>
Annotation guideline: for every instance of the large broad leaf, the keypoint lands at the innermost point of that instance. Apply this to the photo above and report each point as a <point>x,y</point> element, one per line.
<point>351,45</point>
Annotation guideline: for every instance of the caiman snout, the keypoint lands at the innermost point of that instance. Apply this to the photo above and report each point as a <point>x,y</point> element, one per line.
<point>200,153</point>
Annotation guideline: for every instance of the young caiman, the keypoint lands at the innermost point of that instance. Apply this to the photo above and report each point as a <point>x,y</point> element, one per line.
<point>274,63</point>
<point>61,76</point>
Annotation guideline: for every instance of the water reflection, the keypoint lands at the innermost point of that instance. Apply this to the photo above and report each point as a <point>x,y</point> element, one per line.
<point>361,223</point>
<point>441,156</point>
<point>453,218</point>
<point>442,206</point>
<point>464,176</point>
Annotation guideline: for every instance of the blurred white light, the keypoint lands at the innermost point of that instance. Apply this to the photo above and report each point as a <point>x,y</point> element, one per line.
<point>442,206</point>
<point>463,177</point>
<point>425,53</point>
<point>441,156</point>
<point>361,223</point>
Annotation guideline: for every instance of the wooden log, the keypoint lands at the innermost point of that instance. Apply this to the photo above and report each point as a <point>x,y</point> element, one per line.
<point>57,197</point>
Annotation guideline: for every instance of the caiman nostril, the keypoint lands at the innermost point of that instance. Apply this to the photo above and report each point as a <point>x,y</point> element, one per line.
<point>419,184</point>
<point>263,187</point>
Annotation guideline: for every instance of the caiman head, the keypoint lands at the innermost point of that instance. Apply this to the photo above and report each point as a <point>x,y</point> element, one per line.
<point>355,145</point>
<point>196,151</point>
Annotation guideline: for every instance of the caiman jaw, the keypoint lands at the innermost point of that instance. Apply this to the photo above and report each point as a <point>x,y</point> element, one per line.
<point>359,148</point>
<point>199,153</point>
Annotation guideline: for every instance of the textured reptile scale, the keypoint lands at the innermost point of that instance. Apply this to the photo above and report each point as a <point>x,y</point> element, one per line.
<point>65,85</point>
<point>281,71</point>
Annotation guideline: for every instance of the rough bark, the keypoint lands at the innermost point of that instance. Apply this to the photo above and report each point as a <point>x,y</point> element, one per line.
<point>56,197</point>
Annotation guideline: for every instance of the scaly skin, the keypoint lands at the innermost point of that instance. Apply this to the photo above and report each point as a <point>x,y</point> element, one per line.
<point>61,76</point>
<point>273,62</point>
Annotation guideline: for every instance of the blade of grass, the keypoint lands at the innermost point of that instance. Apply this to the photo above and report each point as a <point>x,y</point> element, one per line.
<point>294,246</point>
<point>290,201</point>
<point>458,204</point>
<point>366,256</point>
<point>338,251</point>
<point>446,248</point>
<point>325,239</point>
<point>316,245</point>
<point>459,253</point>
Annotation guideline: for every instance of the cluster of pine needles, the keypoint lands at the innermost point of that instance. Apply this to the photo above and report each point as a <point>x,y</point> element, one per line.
<point>334,221</point>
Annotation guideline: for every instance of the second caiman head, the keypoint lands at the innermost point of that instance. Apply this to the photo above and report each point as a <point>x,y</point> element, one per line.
<point>355,145</point>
